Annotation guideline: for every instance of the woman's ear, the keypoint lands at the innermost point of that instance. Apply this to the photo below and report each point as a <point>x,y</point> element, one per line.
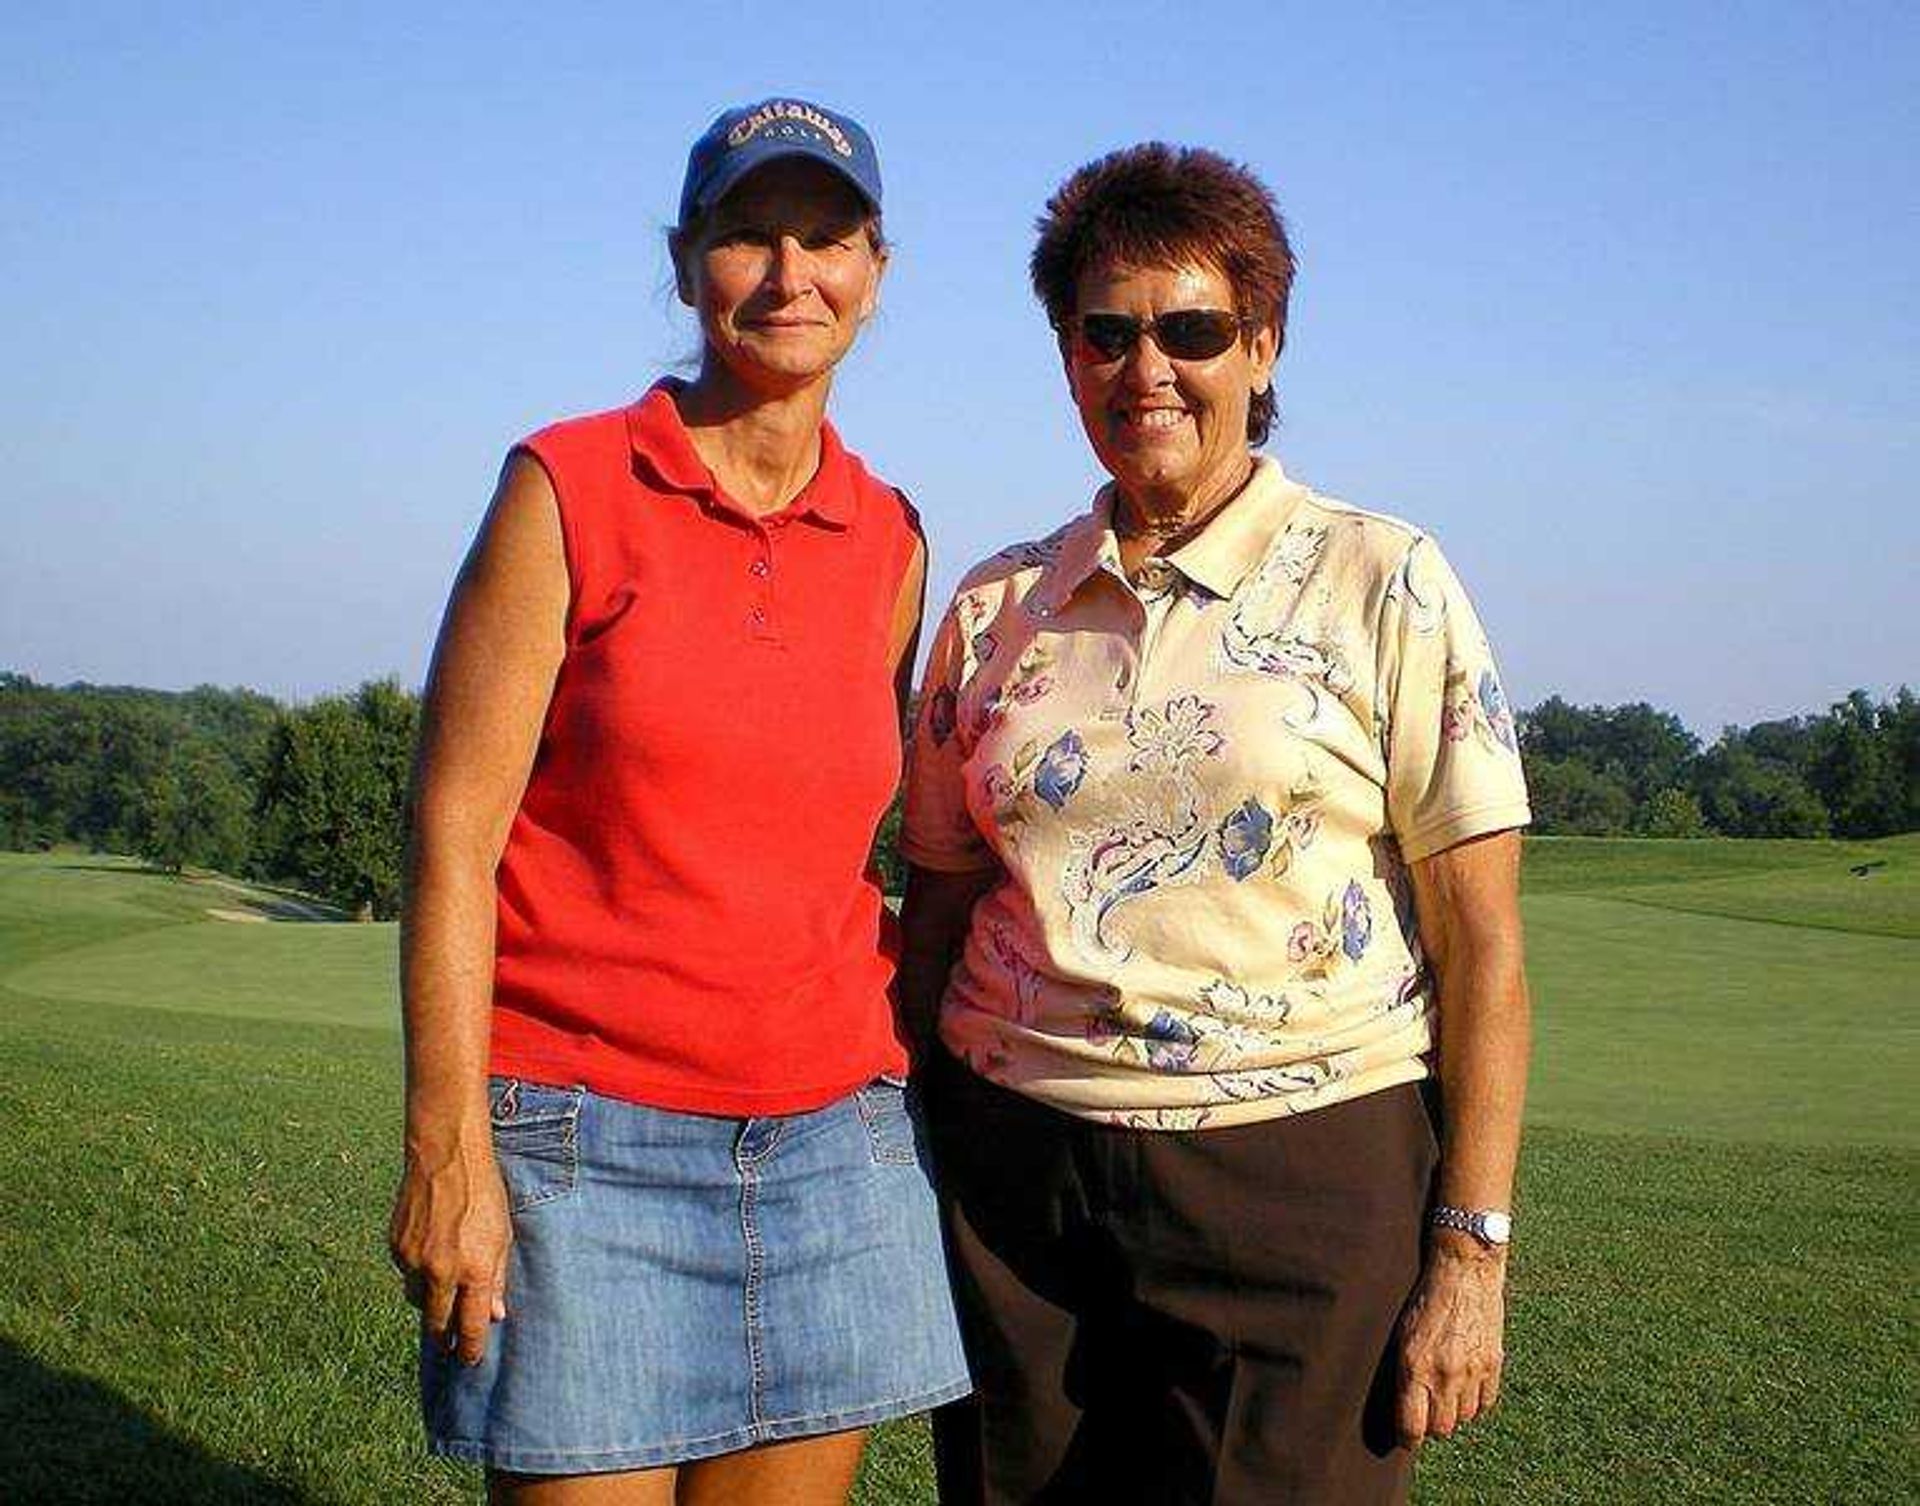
<point>871,303</point>
<point>1263,350</point>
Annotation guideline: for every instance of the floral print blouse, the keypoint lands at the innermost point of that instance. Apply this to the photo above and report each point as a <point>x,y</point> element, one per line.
<point>1204,785</point>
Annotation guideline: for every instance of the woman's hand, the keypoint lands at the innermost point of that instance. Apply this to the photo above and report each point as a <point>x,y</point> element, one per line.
<point>449,1237</point>
<point>1452,1341</point>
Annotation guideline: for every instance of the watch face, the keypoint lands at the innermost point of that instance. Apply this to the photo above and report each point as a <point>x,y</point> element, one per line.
<point>1495,1228</point>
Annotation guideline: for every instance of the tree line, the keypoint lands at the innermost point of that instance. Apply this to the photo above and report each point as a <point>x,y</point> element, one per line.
<point>1604,771</point>
<point>314,795</point>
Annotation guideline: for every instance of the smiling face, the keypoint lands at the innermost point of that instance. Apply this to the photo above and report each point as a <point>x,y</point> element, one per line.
<point>1171,433</point>
<point>782,273</point>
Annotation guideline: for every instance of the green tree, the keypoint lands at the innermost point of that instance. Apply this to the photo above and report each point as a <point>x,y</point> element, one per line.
<point>1671,812</point>
<point>1745,796</point>
<point>195,811</point>
<point>333,796</point>
<point>126,743</point>
<point>1555,730</point>
<point>1570,799</point>
<point>40,777</point>
<point>237,722</point>
<point>1634,749</point>
<point>1855,768</point>
<point>1789,742</point>
<point>1901,727</point>
<point>1646,750</point>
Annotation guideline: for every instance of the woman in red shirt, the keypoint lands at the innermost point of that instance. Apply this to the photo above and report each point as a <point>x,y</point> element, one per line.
<point>664,1210</point>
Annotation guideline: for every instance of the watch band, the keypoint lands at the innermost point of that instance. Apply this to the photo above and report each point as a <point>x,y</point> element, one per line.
<point>1493,1227</point>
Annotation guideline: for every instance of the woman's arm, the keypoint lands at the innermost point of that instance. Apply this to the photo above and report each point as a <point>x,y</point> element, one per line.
<point>905,631</point>
<point>1451,1355</point>
<point>500,649</point>
<point>933,922</point>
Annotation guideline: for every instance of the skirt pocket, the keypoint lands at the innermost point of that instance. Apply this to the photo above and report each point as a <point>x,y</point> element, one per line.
<point>536,1139</point>
<point>892,1135</point>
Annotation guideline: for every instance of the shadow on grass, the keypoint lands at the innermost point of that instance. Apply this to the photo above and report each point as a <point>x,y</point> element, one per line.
<point>65,1437</point>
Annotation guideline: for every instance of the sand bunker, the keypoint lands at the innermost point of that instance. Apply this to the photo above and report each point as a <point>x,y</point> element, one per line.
<point>248,915</point>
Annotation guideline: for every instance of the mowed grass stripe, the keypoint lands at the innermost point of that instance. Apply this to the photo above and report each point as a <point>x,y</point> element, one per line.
<point>1588,865</point>
<point>1867,887</point>
<point>55,905</point>
<point>1655,1021</point>
<point>320,974</point>
<point>91,930</point>
<point>1876,903</point>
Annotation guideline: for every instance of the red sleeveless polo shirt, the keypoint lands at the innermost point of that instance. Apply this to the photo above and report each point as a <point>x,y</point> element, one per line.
<point>687,916</point>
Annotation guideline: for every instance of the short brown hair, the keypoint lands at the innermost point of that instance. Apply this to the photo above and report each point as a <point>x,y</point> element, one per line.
<point>1157,205</point>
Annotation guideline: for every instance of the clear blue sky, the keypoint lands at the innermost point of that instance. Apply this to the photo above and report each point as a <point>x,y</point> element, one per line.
<point>1623,303</point>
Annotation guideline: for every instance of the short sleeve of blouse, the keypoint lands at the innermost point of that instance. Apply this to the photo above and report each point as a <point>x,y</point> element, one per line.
<point>1453,764</point>
<point>939,831</point>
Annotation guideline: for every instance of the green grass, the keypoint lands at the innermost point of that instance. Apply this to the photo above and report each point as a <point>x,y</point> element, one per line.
<point>1794,883</point>
<point>314,974</point>
<point>1584,865</point>
<point>1714,1296</point>
<point>1662,1022</point>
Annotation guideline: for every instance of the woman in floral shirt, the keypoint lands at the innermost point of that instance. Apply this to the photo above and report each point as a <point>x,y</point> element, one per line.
<point>1213,820</point>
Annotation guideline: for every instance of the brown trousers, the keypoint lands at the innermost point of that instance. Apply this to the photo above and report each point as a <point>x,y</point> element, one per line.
<point>1173,1317</point>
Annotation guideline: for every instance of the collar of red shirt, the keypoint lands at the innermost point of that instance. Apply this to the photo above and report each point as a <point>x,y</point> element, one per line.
<point>662,445</point>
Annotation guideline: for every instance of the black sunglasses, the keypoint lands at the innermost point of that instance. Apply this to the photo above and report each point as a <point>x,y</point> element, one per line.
<point>1184,334</point>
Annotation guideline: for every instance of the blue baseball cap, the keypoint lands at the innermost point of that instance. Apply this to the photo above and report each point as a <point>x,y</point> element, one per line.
<point>745,138</point>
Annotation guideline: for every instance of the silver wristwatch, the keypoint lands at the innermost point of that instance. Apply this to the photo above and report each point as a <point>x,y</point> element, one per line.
<point>1490,1226</point>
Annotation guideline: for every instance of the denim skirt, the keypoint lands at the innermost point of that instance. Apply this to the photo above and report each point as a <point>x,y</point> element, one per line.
<point>682,1285</point>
